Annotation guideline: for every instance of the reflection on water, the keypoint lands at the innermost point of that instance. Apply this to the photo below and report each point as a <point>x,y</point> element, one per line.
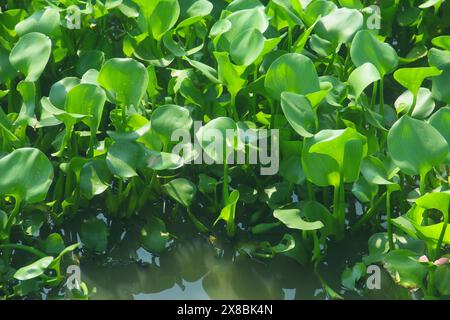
<point>197,270</point>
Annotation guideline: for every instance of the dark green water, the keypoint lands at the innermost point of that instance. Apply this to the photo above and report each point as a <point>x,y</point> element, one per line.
<point>195,269</point>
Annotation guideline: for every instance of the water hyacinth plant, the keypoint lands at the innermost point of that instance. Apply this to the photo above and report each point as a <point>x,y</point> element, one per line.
<point>133,128</point>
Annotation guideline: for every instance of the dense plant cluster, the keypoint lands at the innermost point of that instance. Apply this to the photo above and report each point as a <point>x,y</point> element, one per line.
<point>91,90</point>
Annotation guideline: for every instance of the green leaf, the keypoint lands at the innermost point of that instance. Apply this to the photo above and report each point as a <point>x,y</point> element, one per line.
<point>124,158</point>
<point>340,25</point>
<point>367,48</point>
<point>59,90</point>
<point>42,21</point>
<point>440,88</point>
<point>412,78</point>
<point>299,113</point>
<point>247,46</point>
<point>30,55</point>
<point>416,146</point>
<point>54,244</point>
<point>160,15</point>
<point>442,42</point>
<point>95,178</point>
<point>228,213</point>
<point>292,219</point>
<point>89,59</point>
<point>442,280</point>
<point>125,81</point>
<point>213,138</point>
<point>292,72</point>
<point>231,75</point>
<point>206,183</point>
<point>254,18</point>
<point>440,121</point>
<point>87,99</point>
<point>167,119</point>
<point>352,275</point>
<point>33,270</point>
<point>405,269</point>
<point>364,191</point>
<point>7,72</point>
<point>332,153</point>
<point>94,235</point>
<point>181,190</point>
<point>163,160</point>
<point>26,174</point>
<point>362,77</point>
<point>374,171</point>
<point>424,103</point>
<point>154,235</point>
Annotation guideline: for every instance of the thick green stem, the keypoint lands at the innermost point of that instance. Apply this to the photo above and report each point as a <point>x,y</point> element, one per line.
<point>25,248</point>
<point>389,222</point>
<point>9,225</point>
<point>310,190</point>
<point>233,111</point>
<point>289,39</point>
<point>225,192</point>
<point>369,214</point>
<point>13,216</point>
<point>374,96</point>
<point>441,237</point>
<point>422,186</point>
<point>330,63</point>
<point>338,211</point>
<point>411,110</point>
<point>382,98</point>
<point>197,223</point>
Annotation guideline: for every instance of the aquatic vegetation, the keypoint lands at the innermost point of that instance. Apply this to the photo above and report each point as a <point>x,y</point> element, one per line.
<point>272,130</point>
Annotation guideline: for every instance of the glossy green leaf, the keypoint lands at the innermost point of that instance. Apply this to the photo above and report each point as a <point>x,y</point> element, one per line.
<point>367,48</point>
<point>292,219</point>
<point>95,178</point>
<point>31,54</point>
<point>362,77</point>
<point>125,81</point>
<point>291,72</point>
<point>167,119</point>
<point>154,235</point>
<point>247,46</point>
<point>412,78</point>
<point>214,140</point>
<point>228,213</point>
<point>26,174</point>
<point>181,190</point>
<point>340,25</point>
<point>299,113</point>
<point>124,158</point>
<point>332,153</point>
<point>43,21</point>
<point>405,269</point>
<point>424,103</point>
<point>160,15</point>
<point>440,120</point>
<point>94,235</point>
<point>34,270</point>
<point>416,146</point>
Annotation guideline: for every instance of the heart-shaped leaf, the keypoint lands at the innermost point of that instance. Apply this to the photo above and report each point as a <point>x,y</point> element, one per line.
<point>416,146</point>
<point>125,81</point>
<point>291,72</point>
<point>26,174</point>
<point>367,48</point>
<point>30,55</point>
